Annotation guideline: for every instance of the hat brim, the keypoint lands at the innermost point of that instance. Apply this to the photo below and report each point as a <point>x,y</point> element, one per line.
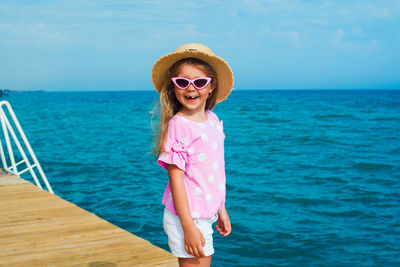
<point>220,66</point>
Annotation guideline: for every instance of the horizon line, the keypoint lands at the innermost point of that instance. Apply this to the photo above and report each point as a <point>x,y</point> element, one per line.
<point>234,89</point>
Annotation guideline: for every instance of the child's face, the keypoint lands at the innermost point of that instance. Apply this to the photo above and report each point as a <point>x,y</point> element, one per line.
<point>193,100</point>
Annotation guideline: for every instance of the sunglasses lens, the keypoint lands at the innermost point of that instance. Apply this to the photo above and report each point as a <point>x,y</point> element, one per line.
<point>182,83</point>
<point>200,83</point>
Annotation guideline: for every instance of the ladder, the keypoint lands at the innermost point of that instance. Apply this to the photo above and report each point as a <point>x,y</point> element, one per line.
<point>13,168</point>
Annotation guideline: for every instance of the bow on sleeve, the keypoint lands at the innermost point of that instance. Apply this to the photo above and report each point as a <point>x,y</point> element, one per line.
<point>178,154</point>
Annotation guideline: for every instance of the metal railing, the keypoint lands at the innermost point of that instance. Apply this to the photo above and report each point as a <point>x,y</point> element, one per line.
<point>13,168</point>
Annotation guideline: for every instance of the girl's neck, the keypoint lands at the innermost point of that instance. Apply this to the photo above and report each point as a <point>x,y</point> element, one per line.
<point>198,116</point>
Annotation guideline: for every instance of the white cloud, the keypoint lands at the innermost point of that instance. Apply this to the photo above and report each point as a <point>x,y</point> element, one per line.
<point>295,36</point>
<point>337,36</point>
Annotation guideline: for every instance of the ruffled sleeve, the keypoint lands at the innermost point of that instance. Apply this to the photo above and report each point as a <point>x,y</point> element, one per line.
<point>176,147</point>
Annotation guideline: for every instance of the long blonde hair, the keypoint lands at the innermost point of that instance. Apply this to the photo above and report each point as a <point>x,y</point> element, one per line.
<point>167,106</point>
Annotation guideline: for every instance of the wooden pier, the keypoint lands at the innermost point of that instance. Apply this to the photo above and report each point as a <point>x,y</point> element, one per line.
<point>41,229</point>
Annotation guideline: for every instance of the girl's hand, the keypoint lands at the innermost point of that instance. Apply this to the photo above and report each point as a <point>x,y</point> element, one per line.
<point>194,241</point>
<point>223,224</point>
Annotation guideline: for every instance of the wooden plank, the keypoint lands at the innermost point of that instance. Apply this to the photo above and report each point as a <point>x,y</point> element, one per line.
<point>41,229</point>
<point>6,179</point>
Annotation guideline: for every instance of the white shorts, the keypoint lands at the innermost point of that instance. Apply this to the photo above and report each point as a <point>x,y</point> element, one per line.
<point>174,231</point>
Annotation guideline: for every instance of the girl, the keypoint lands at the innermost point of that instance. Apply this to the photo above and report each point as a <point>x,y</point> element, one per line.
<point>190,146</point>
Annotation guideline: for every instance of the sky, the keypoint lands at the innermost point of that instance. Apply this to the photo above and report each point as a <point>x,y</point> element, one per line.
<point>70,45</point>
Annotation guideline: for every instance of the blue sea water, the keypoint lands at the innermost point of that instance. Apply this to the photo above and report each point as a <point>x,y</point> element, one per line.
<point>313,176</point>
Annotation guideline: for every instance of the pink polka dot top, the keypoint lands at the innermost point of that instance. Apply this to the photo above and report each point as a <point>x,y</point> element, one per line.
<point>197,148</point>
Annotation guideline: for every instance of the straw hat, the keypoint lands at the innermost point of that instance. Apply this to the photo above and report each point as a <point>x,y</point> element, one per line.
<point>199,51</point>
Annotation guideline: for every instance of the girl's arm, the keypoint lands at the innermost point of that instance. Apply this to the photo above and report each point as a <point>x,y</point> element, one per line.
<point>194,239</point>
<point>223,224</point>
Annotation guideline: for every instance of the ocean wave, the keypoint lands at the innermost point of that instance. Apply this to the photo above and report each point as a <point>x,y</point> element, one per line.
<point>371,166</point>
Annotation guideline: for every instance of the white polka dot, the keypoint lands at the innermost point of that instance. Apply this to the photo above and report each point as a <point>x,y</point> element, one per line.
<point>221,187</point>
<point>204,137</point>
<point>184,119</point>
<point>219,127</point>
<point>198,191</point>
<point>209,197</point>
<point>215,165</point>
<point>164,156</point>
<point>191,150</point>
<point>201,157</point>
<point>212,123</point>
<point>211,178</point>
<point>186,141</point>
<point>195,214</point>
<point>214,145</point>
<point>201,125</point>
<point>189,174</point>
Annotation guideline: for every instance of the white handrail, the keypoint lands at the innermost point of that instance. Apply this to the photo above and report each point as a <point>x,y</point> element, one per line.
<point>6,126</point>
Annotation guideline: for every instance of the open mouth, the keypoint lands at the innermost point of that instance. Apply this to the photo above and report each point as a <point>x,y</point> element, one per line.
<point>191,97</point>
